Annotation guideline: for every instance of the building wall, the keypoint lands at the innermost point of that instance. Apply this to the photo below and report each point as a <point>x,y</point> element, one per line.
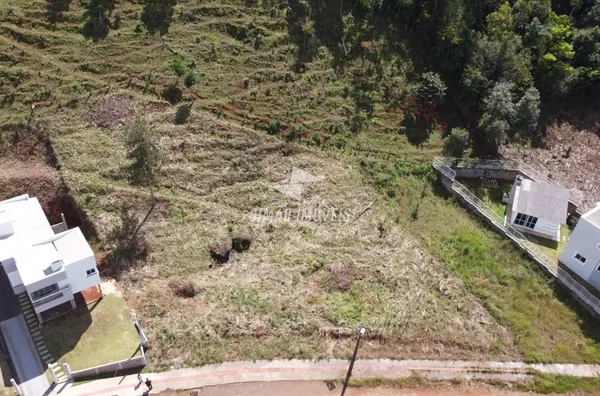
<point>584,240</point>
<point>47,281</point>
<point>76,273</point>
<point>543,228</point>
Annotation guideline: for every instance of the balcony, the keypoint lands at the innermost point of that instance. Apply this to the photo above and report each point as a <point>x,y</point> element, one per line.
<point>50,297</point>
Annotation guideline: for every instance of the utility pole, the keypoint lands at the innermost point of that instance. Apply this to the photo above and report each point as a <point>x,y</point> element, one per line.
<point>361,332</point>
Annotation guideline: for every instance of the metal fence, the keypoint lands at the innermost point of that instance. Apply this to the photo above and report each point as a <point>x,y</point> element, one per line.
<point>548,263</point>
<point>578,289</point>
<point>551,265</point>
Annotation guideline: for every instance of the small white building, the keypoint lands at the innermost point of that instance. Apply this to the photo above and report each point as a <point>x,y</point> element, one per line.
<point>582,253</point>
<point>50,267</point>
<point>537,208</point>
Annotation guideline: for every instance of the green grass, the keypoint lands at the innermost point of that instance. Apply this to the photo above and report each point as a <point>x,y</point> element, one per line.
<point>549,383</point>
<point>550,248</point>
<point>548,325</point>
<point>490,196</point>
<point>91,336</point>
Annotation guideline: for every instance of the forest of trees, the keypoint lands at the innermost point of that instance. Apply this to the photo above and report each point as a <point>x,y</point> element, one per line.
<point>502,60</point>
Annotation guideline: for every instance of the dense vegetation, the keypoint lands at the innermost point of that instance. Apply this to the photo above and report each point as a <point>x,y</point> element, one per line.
<point>501,59</point>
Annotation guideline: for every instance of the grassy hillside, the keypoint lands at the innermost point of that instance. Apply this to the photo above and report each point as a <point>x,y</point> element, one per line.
<point>303,286</point>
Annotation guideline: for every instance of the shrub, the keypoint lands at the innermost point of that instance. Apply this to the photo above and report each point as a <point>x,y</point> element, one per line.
<point>275,127</point>
<point>177,66</point>
<point>190,79</point>
<point>456,142</point>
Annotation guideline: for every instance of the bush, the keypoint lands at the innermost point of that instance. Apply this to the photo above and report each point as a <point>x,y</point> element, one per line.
<point>275,127</point>
<point>177,66</point>
<point>190,79</point>
<point>183,113</point>
<point>456,142</point>
<point>183,288</point>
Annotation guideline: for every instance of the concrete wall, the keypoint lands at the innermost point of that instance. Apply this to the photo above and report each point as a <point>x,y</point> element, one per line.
<point>584,240</point>
<point>76,273</point>
<point>111,368</point>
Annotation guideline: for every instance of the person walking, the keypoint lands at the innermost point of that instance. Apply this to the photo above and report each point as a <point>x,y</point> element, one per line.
<point>149,384</point>
<point>139,378</point>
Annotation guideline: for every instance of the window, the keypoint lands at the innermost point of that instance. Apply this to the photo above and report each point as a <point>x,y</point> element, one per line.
<point>91,272</point>
<point>526,221</point>
<point>36,295</point>
<point>580,258</point>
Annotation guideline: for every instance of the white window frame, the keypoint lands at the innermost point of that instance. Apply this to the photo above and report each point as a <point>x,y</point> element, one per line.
<point>582,262</point>
<point>91,272</point>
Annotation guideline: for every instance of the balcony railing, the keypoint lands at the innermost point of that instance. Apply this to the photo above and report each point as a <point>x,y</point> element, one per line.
<point>50,297</point>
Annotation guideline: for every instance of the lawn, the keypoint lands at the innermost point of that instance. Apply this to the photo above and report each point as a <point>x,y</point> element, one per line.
<point>98,334</point>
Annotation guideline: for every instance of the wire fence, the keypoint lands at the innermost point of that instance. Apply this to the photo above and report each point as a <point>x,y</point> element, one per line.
<point>549,264</point>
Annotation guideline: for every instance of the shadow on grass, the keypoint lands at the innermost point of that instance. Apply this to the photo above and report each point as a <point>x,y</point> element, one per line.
<point>62,334</point>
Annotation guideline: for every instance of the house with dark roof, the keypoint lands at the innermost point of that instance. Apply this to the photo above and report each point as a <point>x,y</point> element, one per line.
<point>537,208</point>
<point>582,253</point>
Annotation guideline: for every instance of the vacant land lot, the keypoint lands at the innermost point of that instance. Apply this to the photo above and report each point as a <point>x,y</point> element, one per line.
<point>304,285</point>
<point>100,333</point>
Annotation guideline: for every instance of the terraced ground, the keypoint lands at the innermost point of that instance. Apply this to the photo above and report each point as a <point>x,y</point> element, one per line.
<point>428,279</point>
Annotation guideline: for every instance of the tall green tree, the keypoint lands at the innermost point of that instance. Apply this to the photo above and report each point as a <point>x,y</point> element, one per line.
<point>143,150</point>
<point>499,113</point>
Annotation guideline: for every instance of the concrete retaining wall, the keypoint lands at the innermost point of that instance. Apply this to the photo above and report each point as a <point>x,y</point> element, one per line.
<point>111,368</point>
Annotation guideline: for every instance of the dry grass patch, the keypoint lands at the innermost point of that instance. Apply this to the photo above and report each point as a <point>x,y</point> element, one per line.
<point>303,285</point>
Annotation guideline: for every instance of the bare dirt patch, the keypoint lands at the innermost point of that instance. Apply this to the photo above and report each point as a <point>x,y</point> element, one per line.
<point>114,111</point>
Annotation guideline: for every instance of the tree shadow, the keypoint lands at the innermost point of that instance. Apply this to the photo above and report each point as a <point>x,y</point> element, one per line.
<point>97,22</point>
<point>55,8</point>
<point>417,128</point>
<point>62,334</point>
<point>589,324</point>
<point>157,15</point>
<point>128,246</point>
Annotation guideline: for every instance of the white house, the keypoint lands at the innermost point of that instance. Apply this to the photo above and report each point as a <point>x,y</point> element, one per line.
<point>537,208</point>
<point>50,267</point>
<point>582,253</point>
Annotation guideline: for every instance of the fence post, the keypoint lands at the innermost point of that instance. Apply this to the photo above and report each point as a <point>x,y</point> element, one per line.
<point>67,370</point>
<point>17,388</point>
<point>53,374</point>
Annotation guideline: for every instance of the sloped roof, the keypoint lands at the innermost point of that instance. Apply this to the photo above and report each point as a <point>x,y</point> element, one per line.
<point>542,200</point>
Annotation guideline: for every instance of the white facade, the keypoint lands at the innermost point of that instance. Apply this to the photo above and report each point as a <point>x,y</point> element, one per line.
<point>536,208</point>
<point>50,267</point>
<point>582,253</point>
